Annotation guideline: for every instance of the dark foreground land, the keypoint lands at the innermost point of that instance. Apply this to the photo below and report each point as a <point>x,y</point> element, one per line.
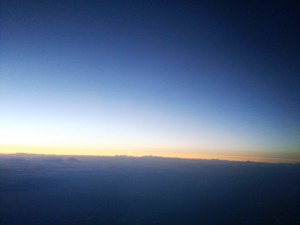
<point>52,190</point>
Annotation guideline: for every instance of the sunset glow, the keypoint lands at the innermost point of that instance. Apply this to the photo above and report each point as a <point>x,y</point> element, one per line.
<point>95,83</point>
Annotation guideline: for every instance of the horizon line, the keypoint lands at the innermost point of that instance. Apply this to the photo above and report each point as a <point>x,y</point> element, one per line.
<point>160,156</point>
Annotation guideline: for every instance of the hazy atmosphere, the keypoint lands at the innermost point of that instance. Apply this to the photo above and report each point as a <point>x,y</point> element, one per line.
<point>192,79</point>
<point>149,112</point>
<point>39,189</point>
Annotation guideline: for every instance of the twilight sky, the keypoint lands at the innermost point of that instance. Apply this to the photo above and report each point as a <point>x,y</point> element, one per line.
<point>197,79</point>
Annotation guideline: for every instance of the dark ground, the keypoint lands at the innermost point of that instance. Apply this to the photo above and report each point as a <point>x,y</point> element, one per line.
<point>124,190</point>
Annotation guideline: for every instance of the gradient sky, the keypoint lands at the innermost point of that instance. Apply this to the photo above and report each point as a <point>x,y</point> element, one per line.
<point>173,78</point>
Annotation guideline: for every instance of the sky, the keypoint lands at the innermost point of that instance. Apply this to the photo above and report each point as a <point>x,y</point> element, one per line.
<point>192,79</point>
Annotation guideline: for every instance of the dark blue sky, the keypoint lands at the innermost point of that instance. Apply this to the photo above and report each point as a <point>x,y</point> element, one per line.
<point>159,77</point>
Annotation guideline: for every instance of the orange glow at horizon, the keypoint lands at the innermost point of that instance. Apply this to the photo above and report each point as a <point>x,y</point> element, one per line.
<point>139,153</point>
